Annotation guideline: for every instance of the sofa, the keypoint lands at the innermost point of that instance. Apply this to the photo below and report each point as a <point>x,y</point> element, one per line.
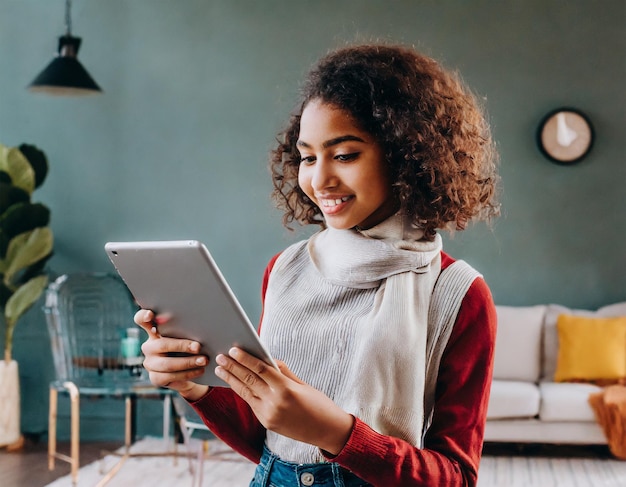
<point>526,405</point>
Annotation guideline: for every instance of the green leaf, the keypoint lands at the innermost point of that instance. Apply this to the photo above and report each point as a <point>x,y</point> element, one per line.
<point>33,270</point>
<point>26,249</point>
<point>20,218</point>
<point>38,162</point>
<point>5,294</point>
<point>4,244</point>
<point>24,298</point>
<point>17,166</point>
<point>10,195</point>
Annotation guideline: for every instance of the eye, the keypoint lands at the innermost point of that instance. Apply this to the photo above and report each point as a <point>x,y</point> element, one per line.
<point>347,157</point>
<point>307,160</point>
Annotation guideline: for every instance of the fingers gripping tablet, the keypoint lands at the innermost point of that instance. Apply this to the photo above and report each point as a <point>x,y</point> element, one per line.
<point>180,279</point>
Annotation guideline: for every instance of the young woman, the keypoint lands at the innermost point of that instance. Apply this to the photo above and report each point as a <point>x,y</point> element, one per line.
<point>385,343</point>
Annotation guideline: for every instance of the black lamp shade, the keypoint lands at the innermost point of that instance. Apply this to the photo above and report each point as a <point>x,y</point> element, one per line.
<point>65,75</point>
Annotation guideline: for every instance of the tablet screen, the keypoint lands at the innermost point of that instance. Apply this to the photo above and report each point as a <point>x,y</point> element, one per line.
<point>180,279</point>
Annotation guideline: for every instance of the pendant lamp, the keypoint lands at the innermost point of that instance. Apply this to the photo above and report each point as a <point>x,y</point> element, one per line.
<point>65,75</point>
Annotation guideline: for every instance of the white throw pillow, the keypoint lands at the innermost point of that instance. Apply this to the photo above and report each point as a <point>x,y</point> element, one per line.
<point>518,343</point>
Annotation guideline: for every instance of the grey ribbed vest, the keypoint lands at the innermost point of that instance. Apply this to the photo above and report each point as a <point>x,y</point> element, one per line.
<point>326,335</point>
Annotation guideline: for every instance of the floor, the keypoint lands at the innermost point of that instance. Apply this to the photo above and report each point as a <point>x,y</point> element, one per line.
<point>29,466</point>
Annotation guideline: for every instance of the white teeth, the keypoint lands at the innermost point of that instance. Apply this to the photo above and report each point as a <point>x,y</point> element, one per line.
<point>335,202</point>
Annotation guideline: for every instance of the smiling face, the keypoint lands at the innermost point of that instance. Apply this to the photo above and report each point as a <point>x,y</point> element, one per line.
<point>342,169</point>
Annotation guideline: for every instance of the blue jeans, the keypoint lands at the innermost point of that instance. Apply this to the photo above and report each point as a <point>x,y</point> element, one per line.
<point>274,472</point>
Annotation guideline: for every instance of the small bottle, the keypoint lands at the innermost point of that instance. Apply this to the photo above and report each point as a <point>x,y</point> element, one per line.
<point>131,347</point>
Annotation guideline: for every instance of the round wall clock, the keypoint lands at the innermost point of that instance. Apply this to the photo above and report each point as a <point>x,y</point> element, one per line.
<point>565,135</point>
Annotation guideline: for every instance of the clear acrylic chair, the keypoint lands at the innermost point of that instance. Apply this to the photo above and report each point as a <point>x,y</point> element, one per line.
<point>88,317</point>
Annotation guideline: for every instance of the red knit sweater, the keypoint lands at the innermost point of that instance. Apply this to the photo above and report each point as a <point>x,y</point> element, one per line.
<point>453,443</point>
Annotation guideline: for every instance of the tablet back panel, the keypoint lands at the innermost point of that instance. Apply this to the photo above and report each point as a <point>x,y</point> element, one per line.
<point>180,279</point>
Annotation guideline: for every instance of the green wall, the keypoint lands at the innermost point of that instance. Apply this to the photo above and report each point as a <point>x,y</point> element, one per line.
<point>195,91</point>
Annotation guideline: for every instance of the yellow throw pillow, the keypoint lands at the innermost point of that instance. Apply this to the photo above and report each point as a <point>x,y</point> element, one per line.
<point>591,349</point>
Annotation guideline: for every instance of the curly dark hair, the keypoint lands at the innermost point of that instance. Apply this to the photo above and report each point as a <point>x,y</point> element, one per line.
<point>432,130</point>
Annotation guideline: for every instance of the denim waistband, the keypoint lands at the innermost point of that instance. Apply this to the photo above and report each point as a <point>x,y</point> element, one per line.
<point>274,472</point>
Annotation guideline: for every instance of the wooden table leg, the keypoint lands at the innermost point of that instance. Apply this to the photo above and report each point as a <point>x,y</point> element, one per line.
<point>52,427</point>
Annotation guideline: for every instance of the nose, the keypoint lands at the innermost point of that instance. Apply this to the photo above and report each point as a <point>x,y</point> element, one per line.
<point>323,176</point>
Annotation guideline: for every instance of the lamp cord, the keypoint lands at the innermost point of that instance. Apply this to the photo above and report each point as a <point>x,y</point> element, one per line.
<point>68,17</point>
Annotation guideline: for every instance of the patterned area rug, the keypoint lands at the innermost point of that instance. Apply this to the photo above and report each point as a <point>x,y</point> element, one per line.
<point>221,468</point>
<point>224,468</point>
<point>520,471</point>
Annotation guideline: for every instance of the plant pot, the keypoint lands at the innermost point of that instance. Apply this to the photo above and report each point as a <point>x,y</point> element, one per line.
<point>9,403</point>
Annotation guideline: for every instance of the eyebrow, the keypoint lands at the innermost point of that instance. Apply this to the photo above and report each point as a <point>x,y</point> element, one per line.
<point>332,142</point>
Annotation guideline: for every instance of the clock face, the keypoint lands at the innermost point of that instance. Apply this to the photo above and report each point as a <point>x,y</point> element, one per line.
<point>565,135</point>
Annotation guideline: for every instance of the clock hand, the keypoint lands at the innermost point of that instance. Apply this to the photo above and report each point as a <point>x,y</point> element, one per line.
<point>564,135</point>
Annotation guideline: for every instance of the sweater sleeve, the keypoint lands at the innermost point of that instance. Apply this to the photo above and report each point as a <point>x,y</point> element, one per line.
<point>453,443</point>
<point>230,418</point>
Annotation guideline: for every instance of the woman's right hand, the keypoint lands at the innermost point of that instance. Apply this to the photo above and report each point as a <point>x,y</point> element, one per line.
<point>166,370</point>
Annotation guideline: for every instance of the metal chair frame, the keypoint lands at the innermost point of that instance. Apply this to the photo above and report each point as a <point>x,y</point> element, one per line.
<point>129,381</point>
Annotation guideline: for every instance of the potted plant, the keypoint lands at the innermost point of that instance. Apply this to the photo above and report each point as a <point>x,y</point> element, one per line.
<point>25,245</point>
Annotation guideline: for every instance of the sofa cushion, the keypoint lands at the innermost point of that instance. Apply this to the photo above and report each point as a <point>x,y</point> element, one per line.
<point>617,309</point>
<point>550,335</point>
<point>518,342</point>
<point>566,401</point>
<point>513,399</point>
<point>590,349</point>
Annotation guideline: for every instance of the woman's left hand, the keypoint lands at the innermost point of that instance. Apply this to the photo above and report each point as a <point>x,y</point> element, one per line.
<point>283,403</point>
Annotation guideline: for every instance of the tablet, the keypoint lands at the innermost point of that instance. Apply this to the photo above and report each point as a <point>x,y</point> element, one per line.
<point>181,279</point>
